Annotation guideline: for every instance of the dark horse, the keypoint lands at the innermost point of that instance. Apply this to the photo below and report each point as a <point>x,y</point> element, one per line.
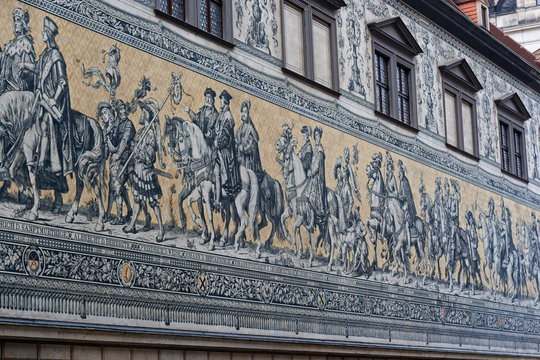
<point>23,138</point>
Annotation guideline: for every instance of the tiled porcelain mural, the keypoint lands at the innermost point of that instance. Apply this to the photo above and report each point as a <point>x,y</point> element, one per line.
<point>156,189</point>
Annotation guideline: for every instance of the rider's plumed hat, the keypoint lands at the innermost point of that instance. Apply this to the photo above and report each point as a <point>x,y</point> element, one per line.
<point>225,95</point>
<point>20,13</point>
<point>150,105</point>
<point>210,92</point>
<point>50,25</point>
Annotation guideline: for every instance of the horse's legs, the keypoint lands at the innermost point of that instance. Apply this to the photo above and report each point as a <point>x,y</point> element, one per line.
<point>296,227</point>
<point>110,200</point>
<point>157,212</point>
<point>182,215</point>
<point>310,249</point>
<point>206,190</point>
<point>330,226</point>
<point>70,216</point>
<point>239,202</point>
<point>125,198</point>
<point>191,198</point>
<point>57,203</point>
<point>286,214</point>
<point>101,210</point>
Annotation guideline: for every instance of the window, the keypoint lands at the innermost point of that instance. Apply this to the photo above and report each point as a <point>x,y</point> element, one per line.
<point>512,115</point>
<point>459,88</point>
<point>394,49</point>
<point>484,16</point>
<point>210,16</point>
<point>309,40</point>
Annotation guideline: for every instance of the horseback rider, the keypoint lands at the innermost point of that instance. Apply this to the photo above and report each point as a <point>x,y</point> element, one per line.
<point>453,203</point>
<point>13,76</point>
<point>247,143</point>
<point>407,201</point>
<point>315,190</point>
<point>17,51</point>
<point>343,191</point>
<point>226,169</point>
<point>206,118</point>
<point>55,123</point>
<point>306,151</point>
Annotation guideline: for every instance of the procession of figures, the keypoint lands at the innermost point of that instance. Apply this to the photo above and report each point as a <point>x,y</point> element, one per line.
<point>44,142</point>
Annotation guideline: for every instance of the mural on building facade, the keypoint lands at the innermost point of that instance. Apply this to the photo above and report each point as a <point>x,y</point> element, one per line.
<point>260,31</point>
<point>345,209</point>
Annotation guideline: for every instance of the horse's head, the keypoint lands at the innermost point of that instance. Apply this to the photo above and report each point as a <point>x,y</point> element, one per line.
<point>176,137</point>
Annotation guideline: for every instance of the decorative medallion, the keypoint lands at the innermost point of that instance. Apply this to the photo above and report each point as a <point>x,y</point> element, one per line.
<point>322,300</point>
<point>33,260</point>
<point>368,305</point>
<point>126,273</point>
<point>201,283</point>
<point>267,292</point>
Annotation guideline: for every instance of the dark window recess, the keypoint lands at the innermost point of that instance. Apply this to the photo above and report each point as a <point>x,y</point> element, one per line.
<point>484,15</point>
<point>512,117</point>
<point>382,98</point>
<point>394,50</point>
<point>403,94</point>
<point>212,16</point>
<point>505,161</point>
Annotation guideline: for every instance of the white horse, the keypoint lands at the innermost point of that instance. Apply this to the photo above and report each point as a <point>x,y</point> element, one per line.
<point>186,140</point>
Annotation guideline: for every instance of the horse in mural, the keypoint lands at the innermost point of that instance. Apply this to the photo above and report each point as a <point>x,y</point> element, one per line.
<point>434,250</point>
<point>531,258</point>
<point>185,141</point>
<point>489,239</point>
<point>17,118</point>
<point>387,221</point>
<point>299,207</point>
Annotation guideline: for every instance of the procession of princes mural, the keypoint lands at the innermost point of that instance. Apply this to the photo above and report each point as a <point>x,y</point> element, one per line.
<point>48,146</point>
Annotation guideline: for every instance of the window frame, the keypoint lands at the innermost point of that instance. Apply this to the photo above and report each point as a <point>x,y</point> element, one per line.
<point>192,19</point>
<point>459,79</point>
<point>325,13</point>
<point>461,95</point>
<point>401,54</point>
<point>514,119</point>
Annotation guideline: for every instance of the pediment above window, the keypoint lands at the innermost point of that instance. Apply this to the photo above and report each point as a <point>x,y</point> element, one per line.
<point>513,104</point>
<point>394,32</point>
<point>461,72</point>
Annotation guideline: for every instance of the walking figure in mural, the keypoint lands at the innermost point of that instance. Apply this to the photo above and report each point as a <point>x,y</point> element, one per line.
<point>532,254</point>
<point>509,264</point>
<point>144,179</point>
<point>378,229</point>
<point>119,134</point>
<point>434,249</point>
<point>343,190</point>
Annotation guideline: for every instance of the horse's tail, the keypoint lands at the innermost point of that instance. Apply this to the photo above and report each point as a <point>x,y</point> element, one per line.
<point>253,204</point>
<point>90,162</point>
<point>279,208</point>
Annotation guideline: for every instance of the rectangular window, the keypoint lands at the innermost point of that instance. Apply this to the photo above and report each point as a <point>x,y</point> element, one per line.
<point>505,153</point>
<point>207,15</point>
<point>322,61</point>
<point>403,94</point>
<point>451,118</point>
<point>294,46</point>
<point>468,129</point>
<point>382,89</point>
<point>309,42</point>
<point>518,153</point>
<point>484,16</point>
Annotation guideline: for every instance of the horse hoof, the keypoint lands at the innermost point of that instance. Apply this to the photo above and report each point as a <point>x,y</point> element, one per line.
<point>222,242</point>
<point>160,237</point>
<point>33,216</point>
<point>211,246</point>
<point>204,239</point>
<point>236,247</point>
<point>129,230</point>
<point>258,252</point>
<point>99,226</point>
<point>69,218</point>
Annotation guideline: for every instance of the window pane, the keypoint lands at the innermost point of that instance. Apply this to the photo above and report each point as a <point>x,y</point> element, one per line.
<point>294,47</point>
<point>517,152</point>
<point>215,18</point>
<point>402,75</point>
<point>468,130</point>
<point>164,6</point>
<point>322,60</point>
<point>450,116</point>
<point>505,161</point>
<point>382,98</point>
<point>204,14</point>
<point>177,9</point>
